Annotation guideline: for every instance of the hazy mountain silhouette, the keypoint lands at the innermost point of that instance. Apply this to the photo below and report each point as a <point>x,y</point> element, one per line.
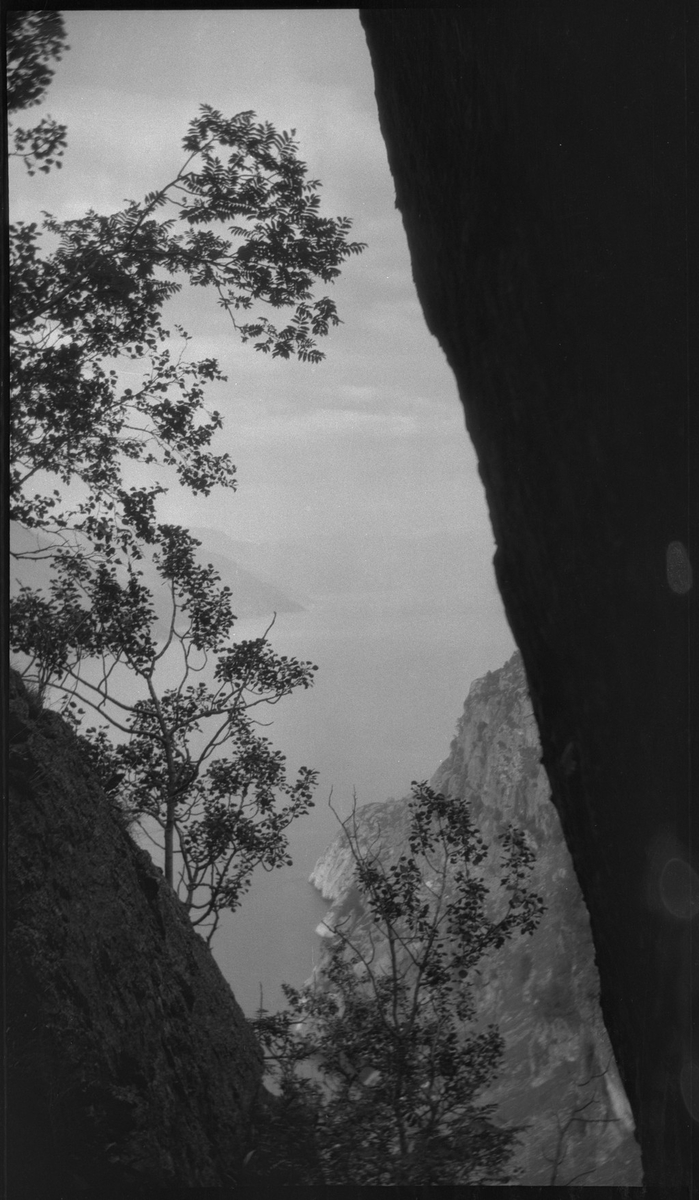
<point>251,596</point>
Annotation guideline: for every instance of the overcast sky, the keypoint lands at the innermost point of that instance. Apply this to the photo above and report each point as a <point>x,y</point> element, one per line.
<point>355,474</point>
<point>374,434</point>
<point>358,488</point>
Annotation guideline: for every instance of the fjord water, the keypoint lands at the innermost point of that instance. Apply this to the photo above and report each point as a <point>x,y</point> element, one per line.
<point>399,627</point>
<point>398,633</point>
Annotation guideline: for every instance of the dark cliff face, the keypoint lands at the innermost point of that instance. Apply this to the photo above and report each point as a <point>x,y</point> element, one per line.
<point>130,1063</point>
<point>542,168</point>
<point>558,1081</point>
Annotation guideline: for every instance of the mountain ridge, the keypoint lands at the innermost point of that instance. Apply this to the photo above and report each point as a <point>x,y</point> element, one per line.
<point>251,595</point>
<point>543,991</point>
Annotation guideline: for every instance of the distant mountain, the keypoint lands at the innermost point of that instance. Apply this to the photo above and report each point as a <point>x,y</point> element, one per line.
<point>251,596</point>
<point>433,564</point>
<point>559,1079</point>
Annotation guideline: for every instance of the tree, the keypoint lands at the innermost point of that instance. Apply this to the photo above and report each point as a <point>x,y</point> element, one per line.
<point>34,39</point>
<point>240,218</point>
<point>218,817</point>
<point>592,1108</point>
<point>388,1024</point>
<point>98,298</point>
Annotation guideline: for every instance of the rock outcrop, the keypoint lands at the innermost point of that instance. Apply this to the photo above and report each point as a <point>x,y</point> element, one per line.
<point>130,1064</point>
<point>558,1077</point>
<point>545,168</point>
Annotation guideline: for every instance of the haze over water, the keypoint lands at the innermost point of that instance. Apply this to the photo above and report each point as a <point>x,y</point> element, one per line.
<point>358,489</point>
<point>395,662</point>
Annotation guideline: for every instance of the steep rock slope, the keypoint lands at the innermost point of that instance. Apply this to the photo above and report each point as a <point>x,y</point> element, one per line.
<point>559,1078</point>
<point>130,1063</point>
<point>544,159</point>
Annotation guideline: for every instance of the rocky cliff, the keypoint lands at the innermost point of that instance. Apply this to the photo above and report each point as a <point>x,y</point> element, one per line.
<point>559,1078</point>
<point>130,1064</point>
<point>545,168</point>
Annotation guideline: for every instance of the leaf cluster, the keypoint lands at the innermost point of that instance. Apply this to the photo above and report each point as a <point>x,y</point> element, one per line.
<point>241,218</point>
<point>388,1022</point>
<point>100,390</point>
<point>190,758</point>
<point>34,39</point>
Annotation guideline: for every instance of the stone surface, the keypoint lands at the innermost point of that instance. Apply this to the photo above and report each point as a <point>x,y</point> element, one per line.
<point>130,1064</point>
<point>545,168</point>
<point>558,1077</point>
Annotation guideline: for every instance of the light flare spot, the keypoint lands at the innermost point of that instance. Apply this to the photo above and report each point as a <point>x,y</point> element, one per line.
<point>678,568</point>
<point>679,889</point>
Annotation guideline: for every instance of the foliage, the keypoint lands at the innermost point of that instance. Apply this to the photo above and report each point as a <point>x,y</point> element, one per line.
<point>34,39</point>
<point>388,1023</point>
<point>98,297</point>
<point>89,299</point>
<point>218,817</point>
<point>282,1147</point>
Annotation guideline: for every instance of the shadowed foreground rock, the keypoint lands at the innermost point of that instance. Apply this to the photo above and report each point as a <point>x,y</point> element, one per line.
<point>130,1063</point>
<point>544,158</point>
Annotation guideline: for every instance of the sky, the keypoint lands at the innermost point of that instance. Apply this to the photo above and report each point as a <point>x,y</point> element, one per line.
<point>358,489</point>
<point>374,432</point>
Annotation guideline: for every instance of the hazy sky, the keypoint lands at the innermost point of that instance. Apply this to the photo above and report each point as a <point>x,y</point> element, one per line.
<point>355,475</point>
<point>358,487</point>
<point>374,434</point>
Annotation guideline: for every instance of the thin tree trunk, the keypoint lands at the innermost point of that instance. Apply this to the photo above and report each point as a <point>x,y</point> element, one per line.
<point>169,840</point>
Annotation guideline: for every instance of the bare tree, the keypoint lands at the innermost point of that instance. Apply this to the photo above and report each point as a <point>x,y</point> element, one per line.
<point>591,1109</point>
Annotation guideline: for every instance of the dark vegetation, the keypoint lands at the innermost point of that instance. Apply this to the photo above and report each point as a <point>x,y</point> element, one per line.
<point>242,220</point>
<point>388,1023</point>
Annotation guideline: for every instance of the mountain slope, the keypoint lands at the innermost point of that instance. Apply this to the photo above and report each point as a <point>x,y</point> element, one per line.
<point>250,596</point>
<point>558,1079</point>
<point>130,1064</point>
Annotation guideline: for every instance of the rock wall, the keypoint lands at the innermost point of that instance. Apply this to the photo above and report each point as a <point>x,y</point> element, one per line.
<point>558,1077</point>
<point>130,1064</point>
<point>545,168</point>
